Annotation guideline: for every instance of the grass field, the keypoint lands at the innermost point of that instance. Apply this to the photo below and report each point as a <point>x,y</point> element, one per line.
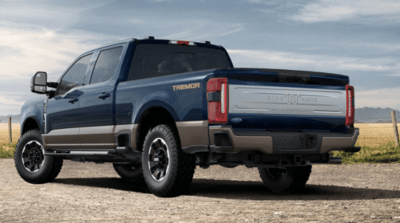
<point>376,141</point>
<point>377,145</point>
<point>6,148</point>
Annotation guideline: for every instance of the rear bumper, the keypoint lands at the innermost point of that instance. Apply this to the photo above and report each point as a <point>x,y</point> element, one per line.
<point>223,139</point>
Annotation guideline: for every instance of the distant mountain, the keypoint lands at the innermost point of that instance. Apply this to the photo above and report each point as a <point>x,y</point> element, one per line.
<point>372,115</point>
<point>14,118</point>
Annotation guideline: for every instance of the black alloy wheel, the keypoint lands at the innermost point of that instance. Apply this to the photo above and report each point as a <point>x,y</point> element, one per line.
<point>33,156</point>
<point>167,170</point>
<point>31,162</point>
<point>158,159</point>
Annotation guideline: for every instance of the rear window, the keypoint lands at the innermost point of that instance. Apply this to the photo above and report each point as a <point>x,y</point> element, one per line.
<point>106,65</point>
<point>153,60</point>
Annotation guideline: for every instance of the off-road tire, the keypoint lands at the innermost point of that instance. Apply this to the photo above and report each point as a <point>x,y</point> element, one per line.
<point>130,172</point>
<point>50,167</point>
<point>294,179</point>
<point>181,165</point>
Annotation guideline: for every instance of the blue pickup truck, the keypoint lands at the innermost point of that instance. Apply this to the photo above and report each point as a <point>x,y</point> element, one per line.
<point>156,109</point>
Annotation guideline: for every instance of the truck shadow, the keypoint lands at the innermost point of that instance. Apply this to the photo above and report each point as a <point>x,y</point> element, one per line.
<point>252,190</point>
<point>243,190</point>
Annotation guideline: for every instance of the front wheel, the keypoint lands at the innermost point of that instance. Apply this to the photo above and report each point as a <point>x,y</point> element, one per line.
<point>285,179</point>
<point>167,170</point>
<point>31,163</point>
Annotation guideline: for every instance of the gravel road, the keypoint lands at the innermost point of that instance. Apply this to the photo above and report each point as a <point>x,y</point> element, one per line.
<point>86,192</point>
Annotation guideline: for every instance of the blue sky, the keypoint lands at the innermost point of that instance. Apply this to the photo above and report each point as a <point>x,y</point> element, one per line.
<point>359,38</point>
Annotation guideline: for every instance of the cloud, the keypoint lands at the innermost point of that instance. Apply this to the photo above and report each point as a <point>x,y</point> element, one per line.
<point>137,21</point>
<point>231,31</point>
<point>34,48</point>
<point>30,48</point>
<point>384,97</point>
<point>338,10</point>
<point>290,60</point>
<point>203,29</point>
<point>278,3</point>
<point>10,101</point>
<point>11,104</point>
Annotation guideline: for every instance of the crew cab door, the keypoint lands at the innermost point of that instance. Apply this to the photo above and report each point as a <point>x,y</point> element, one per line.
<point>62,120</point>
<point>96,103</point>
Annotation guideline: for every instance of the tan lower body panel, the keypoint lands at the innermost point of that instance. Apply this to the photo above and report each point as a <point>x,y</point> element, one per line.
<point>193,133</point>
<point>96,137</point>
<point>339,143</point>
<point>61,138</point>
<point>244,143</point>
<point>265,143</point>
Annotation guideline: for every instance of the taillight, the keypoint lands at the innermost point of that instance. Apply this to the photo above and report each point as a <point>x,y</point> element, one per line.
<point>217,96</point>
<point>349,105</point>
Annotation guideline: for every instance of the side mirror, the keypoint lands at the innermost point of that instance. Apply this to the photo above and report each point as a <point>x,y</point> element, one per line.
<point>39,83</point>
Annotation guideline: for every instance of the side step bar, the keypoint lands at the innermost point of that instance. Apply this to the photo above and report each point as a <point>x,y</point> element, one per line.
<point>120,154</point>
<point>78,153</point>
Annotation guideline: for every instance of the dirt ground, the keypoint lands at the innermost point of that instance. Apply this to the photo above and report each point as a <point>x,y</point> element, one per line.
<point>86,192</point>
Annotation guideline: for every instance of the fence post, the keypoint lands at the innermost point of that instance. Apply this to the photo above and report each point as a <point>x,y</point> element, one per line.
<point>396,132</point>
<point>9,129</point>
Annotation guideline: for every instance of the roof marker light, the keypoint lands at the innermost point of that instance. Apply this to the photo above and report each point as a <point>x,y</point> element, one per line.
<point>181,42</point>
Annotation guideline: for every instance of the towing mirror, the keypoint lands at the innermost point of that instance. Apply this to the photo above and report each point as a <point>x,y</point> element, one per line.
<point>39,82</point>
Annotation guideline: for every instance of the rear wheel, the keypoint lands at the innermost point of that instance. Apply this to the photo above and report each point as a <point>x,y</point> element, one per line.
<point>285,179</point>
<point>130,172</point>
<point>167,170</point>
<point>31,163</point>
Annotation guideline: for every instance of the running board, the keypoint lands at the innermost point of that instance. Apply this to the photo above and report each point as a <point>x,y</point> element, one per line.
<point>79,153</point>
<point>120,154</point>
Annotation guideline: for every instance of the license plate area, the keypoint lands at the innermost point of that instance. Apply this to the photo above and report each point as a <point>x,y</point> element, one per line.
<point>295,141</point>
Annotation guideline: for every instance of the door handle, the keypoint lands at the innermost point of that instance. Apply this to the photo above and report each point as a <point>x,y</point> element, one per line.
<point>73,100</point>
<point>104,95</point>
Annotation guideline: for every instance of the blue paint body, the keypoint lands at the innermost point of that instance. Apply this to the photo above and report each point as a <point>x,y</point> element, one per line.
<point>33,109</point>
<point>128,100</point>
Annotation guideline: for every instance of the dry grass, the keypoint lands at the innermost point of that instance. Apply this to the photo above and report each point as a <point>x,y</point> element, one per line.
<point>7,148</point>
<point>375,134</point>
<point>4,137</point>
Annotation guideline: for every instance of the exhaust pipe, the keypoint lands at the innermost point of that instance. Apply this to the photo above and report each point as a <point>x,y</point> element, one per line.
<point>335,160</point>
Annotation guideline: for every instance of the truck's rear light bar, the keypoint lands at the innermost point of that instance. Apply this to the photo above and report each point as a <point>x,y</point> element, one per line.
<point>181,42</point>
<point>349,105</point>
<point>217,109</point>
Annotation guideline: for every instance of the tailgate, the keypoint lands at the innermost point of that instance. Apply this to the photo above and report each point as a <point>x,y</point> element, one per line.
<point>283,106</point>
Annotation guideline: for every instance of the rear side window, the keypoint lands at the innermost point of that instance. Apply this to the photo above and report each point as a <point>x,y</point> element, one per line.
<point>106,65</point>
<point>74,76</point>
<point>152,60</point>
